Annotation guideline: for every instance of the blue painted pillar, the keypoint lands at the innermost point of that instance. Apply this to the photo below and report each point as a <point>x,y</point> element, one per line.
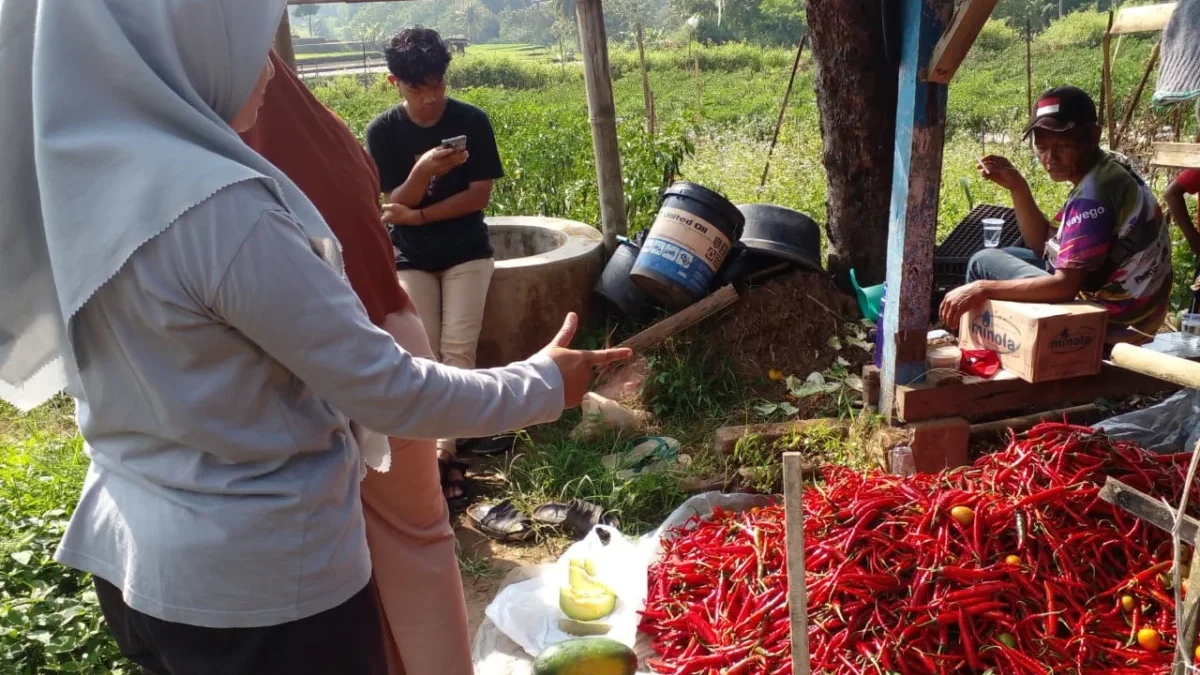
<point>916,181</point>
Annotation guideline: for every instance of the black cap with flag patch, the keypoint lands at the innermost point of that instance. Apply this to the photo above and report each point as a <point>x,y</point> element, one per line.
<point>1062,108</point>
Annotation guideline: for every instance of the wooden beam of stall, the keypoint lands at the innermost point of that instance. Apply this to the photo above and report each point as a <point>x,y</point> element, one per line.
<point>1172,369</point>
<point>916,181</point>
<point>1142,19</point>
<point>1137,95</point>
<point>1177,155</point>
<point>1154,511</point>
<point>593,40</point>
<point>954,45</point>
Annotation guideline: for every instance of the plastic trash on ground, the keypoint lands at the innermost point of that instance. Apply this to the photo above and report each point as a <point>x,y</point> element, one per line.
<point>1170,426</point>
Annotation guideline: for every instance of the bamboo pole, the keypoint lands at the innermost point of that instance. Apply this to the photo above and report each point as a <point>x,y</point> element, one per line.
<point>1029,69</point>
<point>787,96</point>
<point>593,41</point>
<point>1137,95</point>
<point>646,95</point>
<point>1108,112</point>
<point>283,41</point>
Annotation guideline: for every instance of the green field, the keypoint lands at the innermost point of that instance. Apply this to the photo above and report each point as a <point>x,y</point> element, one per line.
<point>713,129</point>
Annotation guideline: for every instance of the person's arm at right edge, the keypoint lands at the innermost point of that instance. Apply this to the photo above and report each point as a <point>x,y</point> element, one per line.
<point>1035,227</point>
<point>1188,182</point>
<point>283,297</point>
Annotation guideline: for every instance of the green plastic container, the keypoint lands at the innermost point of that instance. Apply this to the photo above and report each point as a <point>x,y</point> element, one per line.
<point>870,299</point>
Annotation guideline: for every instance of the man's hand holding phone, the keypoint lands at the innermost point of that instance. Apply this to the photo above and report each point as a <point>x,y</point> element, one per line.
<point>441,160</point>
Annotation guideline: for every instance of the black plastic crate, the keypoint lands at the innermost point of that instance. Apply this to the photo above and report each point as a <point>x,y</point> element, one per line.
<point>951,257</point>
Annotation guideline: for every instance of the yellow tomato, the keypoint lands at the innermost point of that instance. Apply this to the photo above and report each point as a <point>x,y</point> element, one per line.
<point>1127,603</point>
<point>963,514</point>
<point>1012,561</point>
<point>1198,652</point>
<point>1149,639</point>
<point>776,375</point>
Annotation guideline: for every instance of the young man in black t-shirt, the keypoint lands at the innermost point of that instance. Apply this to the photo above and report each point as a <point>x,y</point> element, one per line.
<point>434,198</point>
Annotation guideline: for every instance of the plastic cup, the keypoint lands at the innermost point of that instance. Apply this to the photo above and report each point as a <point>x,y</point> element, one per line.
<point>992,227</point>
<point>1190,325</point>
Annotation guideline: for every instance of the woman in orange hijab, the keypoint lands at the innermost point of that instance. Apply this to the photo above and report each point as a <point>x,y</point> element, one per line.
<point>408,527</point>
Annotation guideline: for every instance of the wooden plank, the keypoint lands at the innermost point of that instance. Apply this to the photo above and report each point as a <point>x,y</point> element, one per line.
<point>941,444</point>
<point>1142,19</point>
<point>1080,414</point>
<point>870,393</point>
<point>1154,511</point>
<point>793,508</point>
<point>954,45</point>
<point>682,320</point>
<point>1137,94</point>
<point>1173,369</point>
<point>1191,606</point>
<point>727,438</point>
<point>1177,155</point>
<point>593,43</point>
<point>990,397</point>
<point>916,181</point>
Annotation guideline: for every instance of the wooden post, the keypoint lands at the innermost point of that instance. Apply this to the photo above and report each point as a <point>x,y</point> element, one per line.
<point>1029,68</point>
<point>916,181</point>
<point>699,88</point>
<point>787,96</point>
<point>1137,95</point>
<point>1107,102</point>
<point>793,507</point>
<point>646,96</point>
<point>283,41</point>
<point>593,40</point>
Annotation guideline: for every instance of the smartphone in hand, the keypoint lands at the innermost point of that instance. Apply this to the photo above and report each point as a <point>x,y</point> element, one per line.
<point>458,143</point>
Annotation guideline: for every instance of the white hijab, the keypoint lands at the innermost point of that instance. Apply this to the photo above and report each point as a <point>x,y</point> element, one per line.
<point>112,125</point>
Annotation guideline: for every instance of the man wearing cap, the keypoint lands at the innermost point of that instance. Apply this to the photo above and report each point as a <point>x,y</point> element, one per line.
<point>1108,244</point>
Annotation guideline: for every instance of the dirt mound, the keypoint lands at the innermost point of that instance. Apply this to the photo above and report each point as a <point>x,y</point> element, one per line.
<point>786,325</point>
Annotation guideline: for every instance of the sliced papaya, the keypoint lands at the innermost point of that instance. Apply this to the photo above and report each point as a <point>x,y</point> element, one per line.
<point>586,606</point>
<point>583,582</point>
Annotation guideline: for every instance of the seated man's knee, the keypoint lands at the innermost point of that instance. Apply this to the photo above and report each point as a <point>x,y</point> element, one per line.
<point>983,264</point>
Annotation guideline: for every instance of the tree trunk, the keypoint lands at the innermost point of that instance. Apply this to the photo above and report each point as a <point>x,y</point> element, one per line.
<point>856,84</point>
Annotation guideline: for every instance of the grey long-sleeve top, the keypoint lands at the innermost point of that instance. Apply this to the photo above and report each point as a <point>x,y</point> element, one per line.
<point>217,370</point>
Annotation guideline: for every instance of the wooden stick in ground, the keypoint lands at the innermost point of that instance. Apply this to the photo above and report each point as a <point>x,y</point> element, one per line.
<point>1137,95</point>
<point>1029,69</point>
<point>1107,102</point>
<point>793,506</point>
<point>682,320</point>
<point>1185,609</point>
<point>645,82</point>
<point>787,96</point>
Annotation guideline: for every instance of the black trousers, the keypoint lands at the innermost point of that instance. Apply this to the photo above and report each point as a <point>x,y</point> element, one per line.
<point>346,640</point>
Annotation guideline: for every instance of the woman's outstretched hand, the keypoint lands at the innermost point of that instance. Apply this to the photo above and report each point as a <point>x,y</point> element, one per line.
<point>575,365</point>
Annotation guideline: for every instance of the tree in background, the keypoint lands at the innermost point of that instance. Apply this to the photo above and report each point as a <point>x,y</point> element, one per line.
<point>856,81</point>
<point>307,12</point>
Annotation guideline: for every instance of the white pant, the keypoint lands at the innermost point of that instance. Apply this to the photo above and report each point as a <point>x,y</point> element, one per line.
<point>451,306</point>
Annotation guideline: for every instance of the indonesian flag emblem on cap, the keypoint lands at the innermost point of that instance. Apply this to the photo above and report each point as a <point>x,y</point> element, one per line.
<point>1047,106</point>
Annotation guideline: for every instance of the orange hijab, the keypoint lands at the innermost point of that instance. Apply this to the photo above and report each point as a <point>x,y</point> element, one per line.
<point>315,148</point>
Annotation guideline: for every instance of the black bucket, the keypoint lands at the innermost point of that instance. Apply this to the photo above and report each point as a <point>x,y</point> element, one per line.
<point>617,289</point>
<point>694,232</point>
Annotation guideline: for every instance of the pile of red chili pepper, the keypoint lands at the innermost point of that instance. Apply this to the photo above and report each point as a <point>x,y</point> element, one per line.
<point>1011,566</point>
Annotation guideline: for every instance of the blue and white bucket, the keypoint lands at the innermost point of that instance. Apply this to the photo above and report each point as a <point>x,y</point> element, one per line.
<point>689,241</point>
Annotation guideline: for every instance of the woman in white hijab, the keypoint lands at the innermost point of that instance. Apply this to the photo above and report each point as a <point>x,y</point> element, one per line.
<point>188,296</point>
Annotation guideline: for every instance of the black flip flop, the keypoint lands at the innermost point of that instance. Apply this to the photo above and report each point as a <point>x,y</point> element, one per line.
<point>576,518</point>
<point>501,521</point>
<point>488,447</point>
<point>462,501</point>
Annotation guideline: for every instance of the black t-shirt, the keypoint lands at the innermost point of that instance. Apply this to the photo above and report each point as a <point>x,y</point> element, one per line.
<point>396,143</point>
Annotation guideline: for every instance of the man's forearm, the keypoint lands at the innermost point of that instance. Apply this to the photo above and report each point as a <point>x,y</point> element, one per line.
<point>1035,228</point>
<point>455,206</point>
<point>412,191</point>
<point>1052,288</point>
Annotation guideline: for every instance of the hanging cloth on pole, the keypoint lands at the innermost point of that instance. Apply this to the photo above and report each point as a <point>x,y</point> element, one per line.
<point>1179,74</point>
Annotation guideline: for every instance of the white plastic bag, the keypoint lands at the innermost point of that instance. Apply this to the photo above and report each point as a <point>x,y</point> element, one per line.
<point>528,612</point>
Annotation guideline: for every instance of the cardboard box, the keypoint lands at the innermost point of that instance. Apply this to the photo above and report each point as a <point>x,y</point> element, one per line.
<point>1039,342</point>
